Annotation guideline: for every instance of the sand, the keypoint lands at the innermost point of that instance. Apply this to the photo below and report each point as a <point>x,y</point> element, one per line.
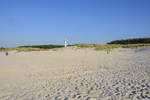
<point>75,74</point>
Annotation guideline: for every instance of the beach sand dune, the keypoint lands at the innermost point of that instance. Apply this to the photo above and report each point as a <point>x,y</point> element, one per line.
<point>75,74</point>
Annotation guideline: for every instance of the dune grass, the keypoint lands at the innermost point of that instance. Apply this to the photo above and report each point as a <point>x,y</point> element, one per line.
<point>32,48</point>
<point>134,45</point>
<point>131,41</point>
<point>51,46</point>
<point>108,47</point>
<point>98,46</point>
<point>20,49</point>
<point>85,45</point>
<point>7,49</point>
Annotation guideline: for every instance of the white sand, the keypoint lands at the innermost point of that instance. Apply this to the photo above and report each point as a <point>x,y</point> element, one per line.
<point>75,74</point>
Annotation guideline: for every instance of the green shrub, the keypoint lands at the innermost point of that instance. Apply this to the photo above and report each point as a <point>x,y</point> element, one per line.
<point>98,46</point>
<point>134,45</point>
<point>132,41</point>
<point>43,46</point>
<point>106,47</point>
<point>28,49</point>
<point>84,45</point>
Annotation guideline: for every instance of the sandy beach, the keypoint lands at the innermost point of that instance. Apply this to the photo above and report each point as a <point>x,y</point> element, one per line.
<point>75,74</point>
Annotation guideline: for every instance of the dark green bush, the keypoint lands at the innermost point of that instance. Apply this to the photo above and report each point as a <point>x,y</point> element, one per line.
<point>132,41</point>
<point>43,46</point>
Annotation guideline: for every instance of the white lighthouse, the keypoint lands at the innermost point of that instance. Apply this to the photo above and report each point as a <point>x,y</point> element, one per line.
<point>65,43</point>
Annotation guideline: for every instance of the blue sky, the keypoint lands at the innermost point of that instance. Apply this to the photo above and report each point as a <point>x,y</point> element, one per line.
<point>29,22</point>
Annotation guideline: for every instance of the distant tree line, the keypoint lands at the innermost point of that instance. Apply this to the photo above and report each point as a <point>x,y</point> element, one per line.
<point>43,46</point>
<point>131,41</point>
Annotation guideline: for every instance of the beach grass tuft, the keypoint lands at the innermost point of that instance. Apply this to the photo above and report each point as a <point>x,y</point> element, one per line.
<point>20,49</point>
<point>98,46</point>
<point>134,45</point>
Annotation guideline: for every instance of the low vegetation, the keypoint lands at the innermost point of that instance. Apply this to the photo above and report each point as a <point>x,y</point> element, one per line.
<point>129,43</point>
<point>109,47</point>
<point>106,47</point>
<point>85,45</point>
<point>43,46</point>
<point>32,48</point>
<point>132,41</point>
<point>98,46</point>
<point>20,49</point>
<point>134,45</point>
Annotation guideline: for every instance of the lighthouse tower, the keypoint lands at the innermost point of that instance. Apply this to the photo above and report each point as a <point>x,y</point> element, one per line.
<point>65,43</point>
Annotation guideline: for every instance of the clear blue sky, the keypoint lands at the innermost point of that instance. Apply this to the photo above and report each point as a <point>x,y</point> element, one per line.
<point>28,22</point>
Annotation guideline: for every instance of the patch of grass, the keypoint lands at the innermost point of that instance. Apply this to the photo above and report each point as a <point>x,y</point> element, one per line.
<point>32,48</point>
<point>98,46</point>
<point>7,49</point>
<point>28,49</point>
<point>134,45</point>
<point>20,49</point>
<point>106,47</point>
<point>132,41</point>
<point>109,47</point>
<point>84,45</point>
<point>43,46</point>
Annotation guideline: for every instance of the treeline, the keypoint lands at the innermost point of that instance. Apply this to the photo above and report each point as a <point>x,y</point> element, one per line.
<point>51,46</point>
<point>131,41</point>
